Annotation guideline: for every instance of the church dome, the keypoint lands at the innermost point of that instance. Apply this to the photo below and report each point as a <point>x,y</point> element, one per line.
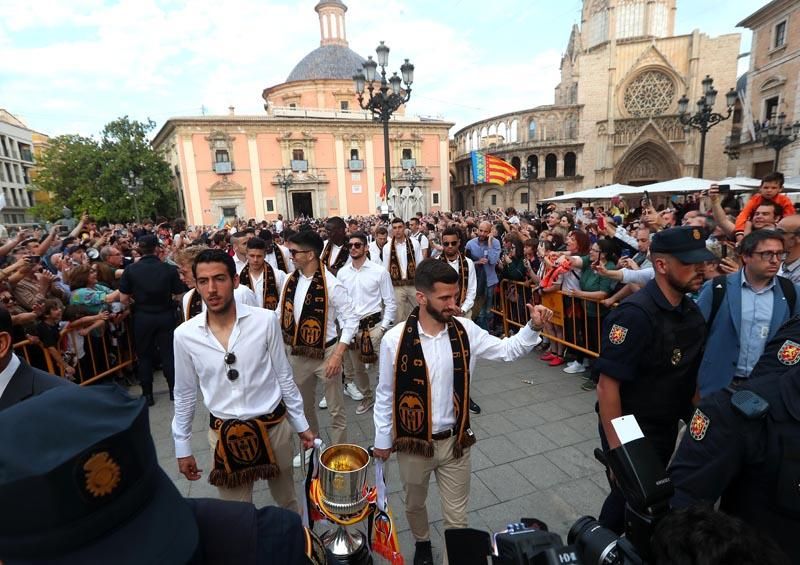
<point>332,61</point>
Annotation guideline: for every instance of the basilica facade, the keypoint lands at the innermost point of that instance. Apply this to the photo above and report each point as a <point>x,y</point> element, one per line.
<point>615,114</point>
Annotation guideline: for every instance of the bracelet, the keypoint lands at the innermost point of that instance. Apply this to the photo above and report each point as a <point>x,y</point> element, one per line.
<point>534,328</point>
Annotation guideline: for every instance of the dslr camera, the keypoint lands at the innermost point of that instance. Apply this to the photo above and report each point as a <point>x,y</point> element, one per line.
<point>647,489</point>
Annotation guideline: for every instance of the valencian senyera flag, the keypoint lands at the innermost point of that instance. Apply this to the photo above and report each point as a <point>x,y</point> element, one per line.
<point>491,169</point>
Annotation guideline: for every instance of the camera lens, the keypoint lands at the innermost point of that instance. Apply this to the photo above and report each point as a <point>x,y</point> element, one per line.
<point>595,544</point>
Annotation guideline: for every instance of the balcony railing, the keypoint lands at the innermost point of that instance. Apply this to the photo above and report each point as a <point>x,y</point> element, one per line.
<point>356,165</point>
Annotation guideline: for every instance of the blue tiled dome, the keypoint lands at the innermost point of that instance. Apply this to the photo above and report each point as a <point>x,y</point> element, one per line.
<point>327,62</point>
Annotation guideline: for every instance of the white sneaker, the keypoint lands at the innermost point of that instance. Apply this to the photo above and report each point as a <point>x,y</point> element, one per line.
<point>351,390</point>
<point>296,460</point>
<point>323,404</point>
<point>574,368</point>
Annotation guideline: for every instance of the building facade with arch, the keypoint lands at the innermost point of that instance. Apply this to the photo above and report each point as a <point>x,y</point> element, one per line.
<point>615,113</point>
<point>312,130</point>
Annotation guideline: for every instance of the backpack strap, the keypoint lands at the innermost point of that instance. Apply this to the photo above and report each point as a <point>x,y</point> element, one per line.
<point>719,285</point>
<point>787,286</point>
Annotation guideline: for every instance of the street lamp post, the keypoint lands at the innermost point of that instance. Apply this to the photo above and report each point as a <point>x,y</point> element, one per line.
<point>285,179</point>
<point>778,134</point>
<point>384,102</point>
<point>133,185</point>
<point>529,173</point>
<point>704,118</point>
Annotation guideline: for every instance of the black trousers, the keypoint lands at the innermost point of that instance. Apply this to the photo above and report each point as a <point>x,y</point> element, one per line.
<point>152,335</point>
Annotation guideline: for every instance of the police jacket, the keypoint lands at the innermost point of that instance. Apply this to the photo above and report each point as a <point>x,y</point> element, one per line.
<point>752,463</point>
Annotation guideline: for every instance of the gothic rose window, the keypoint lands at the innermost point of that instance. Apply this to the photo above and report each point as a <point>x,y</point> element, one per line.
<point>649,94</point>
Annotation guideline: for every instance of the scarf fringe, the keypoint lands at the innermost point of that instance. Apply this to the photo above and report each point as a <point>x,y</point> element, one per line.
<point>414,446</point>
<point>307,351</point>
<point>460,446</point>
<point>403,282</point>
<point>222,478</point>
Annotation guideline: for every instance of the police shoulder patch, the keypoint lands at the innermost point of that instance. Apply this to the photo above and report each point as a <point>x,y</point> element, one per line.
<point>789,353</point>
<point>699,425</point>
<point>617,334</point>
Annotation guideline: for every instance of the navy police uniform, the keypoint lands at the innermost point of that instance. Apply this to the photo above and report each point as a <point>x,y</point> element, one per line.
<point>654,350</point>
<point>152,284</point>
<point>748,454</point>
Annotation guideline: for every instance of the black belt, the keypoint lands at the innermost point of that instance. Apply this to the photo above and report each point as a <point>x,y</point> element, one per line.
<point>331,342</point>
<point>438,436</point>
<point>736,382</point>
<point>215,423</point>
<point>370,321</point>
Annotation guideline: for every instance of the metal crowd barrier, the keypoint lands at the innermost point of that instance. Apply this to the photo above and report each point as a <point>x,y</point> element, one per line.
<point>33,352</point>
<point>569,313</point>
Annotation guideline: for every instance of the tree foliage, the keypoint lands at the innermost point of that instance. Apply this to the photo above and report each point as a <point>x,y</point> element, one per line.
<point>83,173</point>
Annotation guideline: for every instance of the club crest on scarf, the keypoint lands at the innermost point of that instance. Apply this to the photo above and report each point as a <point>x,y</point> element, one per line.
<point>411,412</point>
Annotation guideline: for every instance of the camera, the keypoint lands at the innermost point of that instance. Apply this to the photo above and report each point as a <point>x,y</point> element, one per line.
<point>647,490</point>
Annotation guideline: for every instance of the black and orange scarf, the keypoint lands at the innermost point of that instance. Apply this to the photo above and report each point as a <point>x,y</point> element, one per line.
<point>270,288</point>
<point>244,453</point>
<point>463,276</point>
<point>308,337</point>
<point>279,258</point>
<point>363,341</point>
<point>394,265</point>
<point>340,260</point>
<point>194,306</point>
<point>412,416</point>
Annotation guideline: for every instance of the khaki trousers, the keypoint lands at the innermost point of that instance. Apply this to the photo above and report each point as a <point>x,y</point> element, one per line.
<point>452,477</point>
<point>307,372</point>
<point>406,299</point>
<point>282,486</point>
<point>357,369</point>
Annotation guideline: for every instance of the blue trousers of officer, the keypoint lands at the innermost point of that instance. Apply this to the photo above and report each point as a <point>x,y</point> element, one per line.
<point>153,334</point>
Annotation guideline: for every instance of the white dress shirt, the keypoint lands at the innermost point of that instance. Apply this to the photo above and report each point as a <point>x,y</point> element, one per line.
<point>439,360</point>
<point>258,285</point>
<point>402,260</point>
<point>265,376</point>
<point>422,239</point>
<point>375,253</point>
<point>8,372</point>
<point>339,307</point>
<point>472,283</point>
<point>241,294</point>
<point>370,287</point>
<point>239,263</point>
<point>273,260</point>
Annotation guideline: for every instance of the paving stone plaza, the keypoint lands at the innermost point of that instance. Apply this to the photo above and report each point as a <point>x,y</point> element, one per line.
<point>533,457</point>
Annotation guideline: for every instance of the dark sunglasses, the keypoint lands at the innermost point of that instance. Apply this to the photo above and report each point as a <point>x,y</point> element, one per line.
<point>450,243</point>
<point>294,252</point>
<point>356,245</point>
<point>230,359</point>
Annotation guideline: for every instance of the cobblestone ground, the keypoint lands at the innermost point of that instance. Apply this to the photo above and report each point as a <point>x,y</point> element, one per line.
<point>533,457</point>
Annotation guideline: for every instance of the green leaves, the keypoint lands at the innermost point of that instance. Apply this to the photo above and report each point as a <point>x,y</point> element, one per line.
<point>83,173</point>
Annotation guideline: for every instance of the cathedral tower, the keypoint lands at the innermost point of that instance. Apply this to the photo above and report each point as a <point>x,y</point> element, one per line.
<point>604,20</point>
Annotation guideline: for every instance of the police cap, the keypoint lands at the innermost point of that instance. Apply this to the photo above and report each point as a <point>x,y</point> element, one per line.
<point>687,244</point>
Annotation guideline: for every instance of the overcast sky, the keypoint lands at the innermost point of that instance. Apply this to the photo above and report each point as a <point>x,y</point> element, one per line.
<point>71,66</point>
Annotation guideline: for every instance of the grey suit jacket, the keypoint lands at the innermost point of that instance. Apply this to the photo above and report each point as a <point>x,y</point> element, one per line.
<point>26,382</point>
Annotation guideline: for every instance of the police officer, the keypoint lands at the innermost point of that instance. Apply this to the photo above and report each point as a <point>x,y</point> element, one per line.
<point>746,450</point>
<point>151,284</point>
<point>652,345</point>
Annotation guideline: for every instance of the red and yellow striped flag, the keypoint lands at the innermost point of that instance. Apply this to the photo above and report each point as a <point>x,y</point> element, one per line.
<point>491,169</point>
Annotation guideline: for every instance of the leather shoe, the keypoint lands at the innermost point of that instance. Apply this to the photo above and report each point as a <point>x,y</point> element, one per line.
<point>473,407</point>
<point>423,554</point>
<point>150,400</point>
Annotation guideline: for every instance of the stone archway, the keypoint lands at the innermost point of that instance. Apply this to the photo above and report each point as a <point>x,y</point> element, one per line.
<point>647,163</point>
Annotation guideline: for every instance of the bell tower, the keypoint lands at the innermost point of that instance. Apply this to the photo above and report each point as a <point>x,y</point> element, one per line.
<point>331,22</point>
<point>604,20</point>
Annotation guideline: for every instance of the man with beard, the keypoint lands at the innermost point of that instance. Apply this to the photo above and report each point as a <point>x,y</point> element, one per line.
<point>422,398</point>
<point>235,354</point>
<point>651,348</point>
<point>334,252</point>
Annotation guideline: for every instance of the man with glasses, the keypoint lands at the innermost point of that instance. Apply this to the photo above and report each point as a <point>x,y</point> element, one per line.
<point>235,355</point>
<point>313,300</point>
<point>790,228</point>
<point>744,310</point>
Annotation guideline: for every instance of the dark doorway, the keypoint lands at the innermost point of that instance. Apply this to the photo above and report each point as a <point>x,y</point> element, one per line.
<point>301,202</point>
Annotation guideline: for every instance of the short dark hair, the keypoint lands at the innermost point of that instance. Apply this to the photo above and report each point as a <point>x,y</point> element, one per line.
<point>381,230</point>
<point>777,209</point>
<point>609,248</point>
<point>398,221</point>
<point>360,235</point>
<point>5,320</point>
<point>431,271</point>
<point>414,219</point>
<point>748,245</point>
<point>773,177</point>
<point>308,239</point>
<point>452,230</point>
<point>336,221</point>
<point>266,235</point>
<point>257,243</point>
<point>214,256</point>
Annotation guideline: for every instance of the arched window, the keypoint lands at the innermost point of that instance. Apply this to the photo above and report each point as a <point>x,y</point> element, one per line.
<point>532,130</point>
<point>474,141</point>
<point>550,166</point>
<point>533,165</point>
<point>493,129</point>
<point>484,132</point>
<point>513,136</point>
<point>569,164</point>
<point>515,162</point>
<point>501,131</point>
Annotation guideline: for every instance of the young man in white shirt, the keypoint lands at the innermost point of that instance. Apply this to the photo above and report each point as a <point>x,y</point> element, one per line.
<point>425,365</point>
<point>334,253</point>
<point>275,254</point>
<point>370,289</point>
<point>259,276</point>
<point>376,247</point>
<point>416,233</point>
<point>313,300</point>
<point>401,261</point>
<point>235,355</point>
<point>239,243</point>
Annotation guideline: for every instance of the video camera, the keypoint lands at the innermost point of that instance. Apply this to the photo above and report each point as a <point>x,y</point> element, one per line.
<point>647,489</point>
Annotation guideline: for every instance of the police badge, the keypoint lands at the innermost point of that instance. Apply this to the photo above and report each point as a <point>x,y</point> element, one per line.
<point>617,334</point>
<point>699,425</point>
<point>789,353</point>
